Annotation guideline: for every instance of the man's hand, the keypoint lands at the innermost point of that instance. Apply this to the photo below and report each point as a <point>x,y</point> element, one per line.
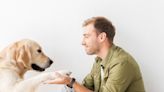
<point>65,79</point>
<point>62,77</point>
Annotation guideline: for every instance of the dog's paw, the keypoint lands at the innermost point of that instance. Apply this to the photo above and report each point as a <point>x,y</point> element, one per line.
<point>64,72</point>
<point>59,73</point>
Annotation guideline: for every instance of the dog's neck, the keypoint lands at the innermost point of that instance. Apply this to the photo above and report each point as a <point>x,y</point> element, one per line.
<point>18,68</point>
<point>21,69</point>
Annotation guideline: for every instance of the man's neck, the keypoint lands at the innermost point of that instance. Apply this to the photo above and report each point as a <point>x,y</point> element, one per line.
<point>104,51</point>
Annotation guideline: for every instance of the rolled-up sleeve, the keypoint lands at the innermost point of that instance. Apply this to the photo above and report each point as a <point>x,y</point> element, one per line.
<point>88,82</point>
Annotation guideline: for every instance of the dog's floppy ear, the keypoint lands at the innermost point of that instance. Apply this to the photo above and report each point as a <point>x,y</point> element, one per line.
<point>18,54</point>
<point>23,55</point>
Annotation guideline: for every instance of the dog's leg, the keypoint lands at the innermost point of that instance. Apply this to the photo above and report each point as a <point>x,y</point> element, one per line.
<point>30,85</point>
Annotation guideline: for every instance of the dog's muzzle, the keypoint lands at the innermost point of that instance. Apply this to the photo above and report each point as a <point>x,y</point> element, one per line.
<point>38,68</point>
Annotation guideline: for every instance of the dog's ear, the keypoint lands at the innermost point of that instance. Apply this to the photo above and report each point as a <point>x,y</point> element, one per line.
<point>17,53</point>
<point>23,55</point>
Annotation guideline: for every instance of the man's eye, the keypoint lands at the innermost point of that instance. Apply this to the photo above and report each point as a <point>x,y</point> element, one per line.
<point>86,36</point>
<point>39,51</point>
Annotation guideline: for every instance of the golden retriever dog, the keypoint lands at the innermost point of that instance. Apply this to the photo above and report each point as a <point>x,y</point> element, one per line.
<point>18,58</point>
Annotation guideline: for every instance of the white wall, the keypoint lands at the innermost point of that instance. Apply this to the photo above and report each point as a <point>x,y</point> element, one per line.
<point>56,25</point>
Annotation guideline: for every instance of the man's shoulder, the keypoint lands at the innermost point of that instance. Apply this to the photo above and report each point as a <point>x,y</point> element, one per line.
<point>120,55</point>
<point>119,52</point>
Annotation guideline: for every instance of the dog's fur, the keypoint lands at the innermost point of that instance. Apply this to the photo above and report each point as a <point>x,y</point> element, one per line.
<point>18,58</point>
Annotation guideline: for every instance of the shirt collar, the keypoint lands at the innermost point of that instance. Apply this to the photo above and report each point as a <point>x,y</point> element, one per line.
<point>107,58</point>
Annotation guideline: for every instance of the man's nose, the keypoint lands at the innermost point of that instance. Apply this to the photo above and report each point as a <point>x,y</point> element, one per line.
<point>83,42</point>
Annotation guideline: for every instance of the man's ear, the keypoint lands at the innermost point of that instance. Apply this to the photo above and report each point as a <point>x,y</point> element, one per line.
<point>102,36</point>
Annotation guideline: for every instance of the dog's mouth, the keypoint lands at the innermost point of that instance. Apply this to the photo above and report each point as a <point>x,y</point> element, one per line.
<point>36,67</point>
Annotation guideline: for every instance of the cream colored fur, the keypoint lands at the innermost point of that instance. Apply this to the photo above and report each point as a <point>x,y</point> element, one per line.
<point>18,58</point>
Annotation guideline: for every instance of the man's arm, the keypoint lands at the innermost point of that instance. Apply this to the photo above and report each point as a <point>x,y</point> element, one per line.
<point>80,88</point>
<point>63,79</point>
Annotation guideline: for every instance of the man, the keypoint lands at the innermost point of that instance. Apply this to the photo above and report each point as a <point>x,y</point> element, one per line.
<point>114,69</point>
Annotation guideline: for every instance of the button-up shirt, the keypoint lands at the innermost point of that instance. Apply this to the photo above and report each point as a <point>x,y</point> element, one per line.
<point>121,73</point>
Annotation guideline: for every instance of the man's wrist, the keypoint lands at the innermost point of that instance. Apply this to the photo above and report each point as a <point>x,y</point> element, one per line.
<point>73,80</point>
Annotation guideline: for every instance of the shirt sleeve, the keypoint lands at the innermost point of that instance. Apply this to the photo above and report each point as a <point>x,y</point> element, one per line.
<point>88,82</point>
<point>89,79</point>
<point>119,77</point>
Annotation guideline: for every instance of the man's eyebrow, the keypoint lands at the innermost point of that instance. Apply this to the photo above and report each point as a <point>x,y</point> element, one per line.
<point>85,34</point>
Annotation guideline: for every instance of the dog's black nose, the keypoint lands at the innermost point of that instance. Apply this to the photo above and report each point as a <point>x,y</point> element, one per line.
<point>50,61</point>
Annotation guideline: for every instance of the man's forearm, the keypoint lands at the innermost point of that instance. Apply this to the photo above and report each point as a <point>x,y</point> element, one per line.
<point>80,88</point>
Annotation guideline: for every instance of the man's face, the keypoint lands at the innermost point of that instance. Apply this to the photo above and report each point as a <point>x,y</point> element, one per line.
<point>90,40</point>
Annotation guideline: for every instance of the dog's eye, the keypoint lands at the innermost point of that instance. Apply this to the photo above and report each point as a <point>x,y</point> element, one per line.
<point>39,50</point>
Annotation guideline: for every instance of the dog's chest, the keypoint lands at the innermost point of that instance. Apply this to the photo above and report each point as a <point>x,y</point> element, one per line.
<point>7,80</point>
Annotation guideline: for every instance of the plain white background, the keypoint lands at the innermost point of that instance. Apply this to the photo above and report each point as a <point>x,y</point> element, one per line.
<point>56,26</point>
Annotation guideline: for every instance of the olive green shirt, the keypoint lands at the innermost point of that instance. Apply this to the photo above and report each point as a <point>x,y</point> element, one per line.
<point>121,73</point>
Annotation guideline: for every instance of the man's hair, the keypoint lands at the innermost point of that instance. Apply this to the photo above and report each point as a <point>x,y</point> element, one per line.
<point>102,24</point>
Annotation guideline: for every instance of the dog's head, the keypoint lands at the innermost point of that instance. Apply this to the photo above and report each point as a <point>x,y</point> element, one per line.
<point>27,54</point>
